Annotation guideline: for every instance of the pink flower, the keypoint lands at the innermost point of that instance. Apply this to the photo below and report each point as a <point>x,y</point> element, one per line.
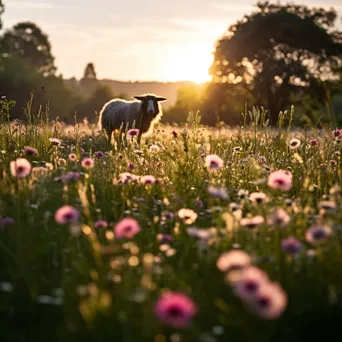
<point>280,180</point>
<point>72,157</point>
<point>291,245</point>
<point>30,151</point>
<point>100,224</point>
<point>337,133</point>
<point>99,154</point>
<point>148,179</point>
<point>154,148</point>
<point>20,168</point>
<point>252,222</point>
<point>258,197</point>
<point>127,228</point>
<point>175,309</point>
<point>88,163</point>
<point>127,177</point>
<point>188,215</point>
<point>213,162</point>
<point>234,259</point>
<point>67,214</point>
<point>248,283</point>
<point>318,234</point>
<point>133,132</point>
<point>314,142</point>
<point>270,302</point>
<point>278,217</point>
<point>55,141</point>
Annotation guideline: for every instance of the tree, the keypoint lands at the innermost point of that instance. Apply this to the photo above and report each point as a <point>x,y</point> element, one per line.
<point>27,41</point>
<point>89,82</point>
<point>94,104</point>
<point>2,9</point>
<point>280,50</point>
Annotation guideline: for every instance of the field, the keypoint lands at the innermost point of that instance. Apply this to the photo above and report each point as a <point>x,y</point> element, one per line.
<point>197,234</point>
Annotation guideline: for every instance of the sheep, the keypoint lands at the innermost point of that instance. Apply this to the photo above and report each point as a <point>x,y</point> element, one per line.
<point>144,111</point>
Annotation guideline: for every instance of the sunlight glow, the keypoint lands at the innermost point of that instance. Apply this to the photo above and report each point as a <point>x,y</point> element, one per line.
<point>189,63</point>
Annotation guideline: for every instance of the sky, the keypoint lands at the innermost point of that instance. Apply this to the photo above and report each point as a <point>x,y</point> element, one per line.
<point>149,40</point>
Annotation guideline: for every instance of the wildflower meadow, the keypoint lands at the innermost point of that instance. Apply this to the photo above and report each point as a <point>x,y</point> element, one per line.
<point>193,234</point>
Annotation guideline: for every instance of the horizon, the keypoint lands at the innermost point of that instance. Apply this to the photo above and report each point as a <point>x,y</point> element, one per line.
<point>149,42</point>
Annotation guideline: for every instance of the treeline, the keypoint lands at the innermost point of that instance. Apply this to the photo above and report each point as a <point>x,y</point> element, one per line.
<point>275,57</point>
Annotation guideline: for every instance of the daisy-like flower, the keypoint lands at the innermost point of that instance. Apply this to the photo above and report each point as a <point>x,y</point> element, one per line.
<point>67,214</point>
<point>88,163</point>
<point>218,192</point>
<point>148,179</point>
<point>127,228</point>
<point>278,217</point>
<point>280,179</point>
<point>327,207</point>
<point>213,162</point>
<point>133,132</point>
<point>154,148</point>
<point>30,151</point>
<point>127,177</point>
<point>72,157</point>
<point>314,142</point>
<point>99,154</point>
<point>294,143</point>
<point>20,168</point>
<point>242,193</point>
<point>188,215</point>
<point>55,141</point>
<point>318,234</point>
<point>291,245</point>
<point>233,260</point>
<point>249,281</point>
<point>258,197</point>
<point>175,309</point>
<point>252,222</point>
<point>270,302</point>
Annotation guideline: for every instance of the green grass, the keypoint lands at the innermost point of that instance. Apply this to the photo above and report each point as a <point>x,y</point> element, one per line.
<point>100,288</point>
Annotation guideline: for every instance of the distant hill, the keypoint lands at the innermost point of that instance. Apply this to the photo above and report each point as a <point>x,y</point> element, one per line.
<point>166,89</point>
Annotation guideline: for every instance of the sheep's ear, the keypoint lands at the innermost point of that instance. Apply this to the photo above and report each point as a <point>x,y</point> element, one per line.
<point>140,98</point>
<point>161,98</point>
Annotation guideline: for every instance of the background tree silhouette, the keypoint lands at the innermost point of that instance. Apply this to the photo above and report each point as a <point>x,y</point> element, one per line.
<point>2,9</point>
<point>89,82</point>
<point>27,41</point>
<point>278,51</point>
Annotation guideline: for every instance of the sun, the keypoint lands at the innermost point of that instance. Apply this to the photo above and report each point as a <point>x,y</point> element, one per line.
<point>190,64</point>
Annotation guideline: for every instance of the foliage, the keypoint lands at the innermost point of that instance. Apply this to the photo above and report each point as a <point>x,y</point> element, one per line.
<point>27,41</point>
<point>2,9</point>
<point>81,283</point>
<point>280,50</point>
<point>89,107</point>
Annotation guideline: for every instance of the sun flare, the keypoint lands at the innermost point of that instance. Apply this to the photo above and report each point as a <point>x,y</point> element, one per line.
<point>190,64</point>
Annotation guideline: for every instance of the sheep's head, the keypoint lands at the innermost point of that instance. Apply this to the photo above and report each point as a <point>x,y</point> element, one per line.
<point>149,104</point>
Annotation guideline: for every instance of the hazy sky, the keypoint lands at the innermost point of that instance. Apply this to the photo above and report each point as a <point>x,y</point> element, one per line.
<point>134,39</point>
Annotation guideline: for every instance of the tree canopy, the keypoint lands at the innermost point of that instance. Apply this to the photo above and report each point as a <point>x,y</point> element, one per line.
<point>280,50</point>
<point>2,9</point>
<point>27,41</point>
